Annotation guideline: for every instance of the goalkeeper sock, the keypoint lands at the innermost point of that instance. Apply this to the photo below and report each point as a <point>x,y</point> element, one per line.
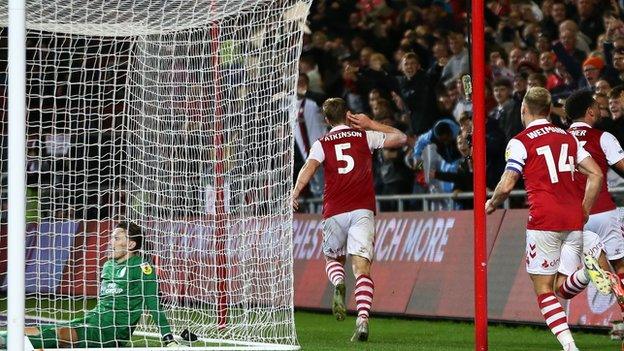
<point>573,285</point>
<point>3,340</point>
<point>555,317</point>
<point>335,271</point>
<point>364,289</point>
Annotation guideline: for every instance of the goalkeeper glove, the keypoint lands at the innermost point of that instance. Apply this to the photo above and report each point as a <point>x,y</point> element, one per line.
<point>169,341</point>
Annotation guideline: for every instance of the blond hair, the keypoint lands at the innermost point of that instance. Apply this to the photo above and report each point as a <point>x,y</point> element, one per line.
<point>537,101</point>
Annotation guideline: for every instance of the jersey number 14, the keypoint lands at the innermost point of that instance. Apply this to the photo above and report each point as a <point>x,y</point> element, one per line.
<point>565,164</point>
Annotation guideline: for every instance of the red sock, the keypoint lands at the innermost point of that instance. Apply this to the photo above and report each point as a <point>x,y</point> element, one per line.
<point>573,285</point>
<point>364,289</point>
<point>555,317</point>
<point>335,272</point>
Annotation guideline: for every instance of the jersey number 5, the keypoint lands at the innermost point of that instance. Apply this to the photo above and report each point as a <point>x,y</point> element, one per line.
<point>565,164</point>
<point>341,156</point>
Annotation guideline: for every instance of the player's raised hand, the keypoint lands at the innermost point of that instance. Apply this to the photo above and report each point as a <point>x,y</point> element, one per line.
<point>359,120</point>
<point>489,209</point>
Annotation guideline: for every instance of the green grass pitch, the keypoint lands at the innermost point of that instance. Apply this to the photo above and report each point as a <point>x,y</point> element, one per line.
<point>318,331</point>
<point>321,332</point>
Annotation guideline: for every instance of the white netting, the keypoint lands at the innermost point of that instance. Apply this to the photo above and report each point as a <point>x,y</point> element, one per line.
<point>173,114</point>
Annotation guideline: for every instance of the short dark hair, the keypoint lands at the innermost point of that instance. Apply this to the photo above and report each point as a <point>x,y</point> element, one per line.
<point>578,102</point>
<point>540,77</point>
<point>442,129</point>
<point>503,82</point>
<point>335,110</point>
<point>616,92</point>
<point>133,232</point>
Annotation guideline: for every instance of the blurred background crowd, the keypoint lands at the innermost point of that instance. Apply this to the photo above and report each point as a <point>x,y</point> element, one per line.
<point>402,62</point>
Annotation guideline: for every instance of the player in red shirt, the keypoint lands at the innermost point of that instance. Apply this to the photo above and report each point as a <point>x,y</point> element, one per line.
<point>603,237</point>
<point>547,157</point>
<point>348,200</point>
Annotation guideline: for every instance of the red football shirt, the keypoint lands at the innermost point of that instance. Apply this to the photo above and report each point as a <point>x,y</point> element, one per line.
<point>547,156</point>
<point>606,151</point>
<point>348,169</point>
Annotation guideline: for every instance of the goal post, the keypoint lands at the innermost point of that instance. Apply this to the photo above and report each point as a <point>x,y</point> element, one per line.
<point>175,115</point>
<point>480,191</point>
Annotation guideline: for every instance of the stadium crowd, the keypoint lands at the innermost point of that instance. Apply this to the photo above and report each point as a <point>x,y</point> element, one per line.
<point>402,63</point>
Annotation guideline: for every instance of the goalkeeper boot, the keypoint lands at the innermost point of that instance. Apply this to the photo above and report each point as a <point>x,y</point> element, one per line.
<point>361,330</point>
<point>598,277</point>
<point>338,305</point>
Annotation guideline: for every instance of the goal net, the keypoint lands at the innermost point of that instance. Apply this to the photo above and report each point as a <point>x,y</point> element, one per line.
<point>175,115</point>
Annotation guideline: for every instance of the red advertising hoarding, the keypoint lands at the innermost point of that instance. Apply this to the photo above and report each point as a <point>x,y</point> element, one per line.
<point>423,266</point>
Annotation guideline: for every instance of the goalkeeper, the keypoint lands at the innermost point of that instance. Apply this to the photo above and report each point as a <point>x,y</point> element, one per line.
<point>128,288</point>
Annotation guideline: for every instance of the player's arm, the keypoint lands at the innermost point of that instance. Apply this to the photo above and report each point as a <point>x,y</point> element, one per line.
<point>151,304</point>
<point>590,168</point>
<point>503,189</point>
<point>515,155</point>
<point>306,173</point>
<point>394,138</point>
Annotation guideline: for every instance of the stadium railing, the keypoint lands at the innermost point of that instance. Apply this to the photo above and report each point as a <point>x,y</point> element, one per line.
<point>314,205</point>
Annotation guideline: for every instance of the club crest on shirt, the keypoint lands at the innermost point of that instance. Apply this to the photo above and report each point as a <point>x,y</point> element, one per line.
<point>146,268</point>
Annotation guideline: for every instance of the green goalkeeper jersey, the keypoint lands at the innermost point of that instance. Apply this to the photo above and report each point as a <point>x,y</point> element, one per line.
<point>127,290</point>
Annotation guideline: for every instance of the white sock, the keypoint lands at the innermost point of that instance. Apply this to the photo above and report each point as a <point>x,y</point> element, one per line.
<point>566,340</point>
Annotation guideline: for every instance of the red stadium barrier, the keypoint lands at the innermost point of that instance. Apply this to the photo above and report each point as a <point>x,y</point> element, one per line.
<point>423,267</point>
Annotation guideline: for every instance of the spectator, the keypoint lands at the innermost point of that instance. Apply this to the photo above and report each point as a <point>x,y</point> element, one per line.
<point>442,135</point>
<point>507,110</point>
<point>310,126</point>
<point>308,67</point>
<point>415,95</point>
<point>553,19</point>
<point>582,41</point>
<point>458,63</point>
<point>592,69</point>
<point>588,19</point>
<point>603,105</point>
<point>615,124</point>
<point>603,87</point>
<point>515,58</point>
<point>519,86</point>
<point>536,80</point>
<point>547,64</point>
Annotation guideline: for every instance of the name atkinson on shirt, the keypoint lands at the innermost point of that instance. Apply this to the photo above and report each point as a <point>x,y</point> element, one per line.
<point>340,135</point>
<point>545,130</point>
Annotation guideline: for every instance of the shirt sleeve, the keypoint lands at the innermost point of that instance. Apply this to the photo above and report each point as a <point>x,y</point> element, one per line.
<point>316,152</point>
<point>515,156</point>
<point>421,144</point>
<point>581,153</point>
<point>611,148</point>
<point>375,139</point>
<point>150,298</point>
